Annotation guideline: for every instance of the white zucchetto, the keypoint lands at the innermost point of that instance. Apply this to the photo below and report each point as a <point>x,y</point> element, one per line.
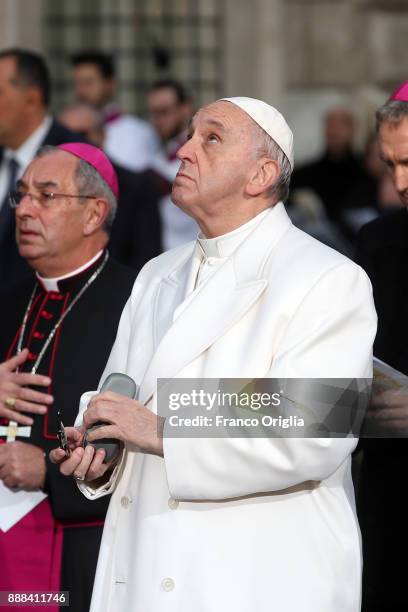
<point>270,120</point>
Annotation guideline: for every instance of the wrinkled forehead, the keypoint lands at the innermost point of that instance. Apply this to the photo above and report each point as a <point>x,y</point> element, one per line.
<point>56,168</point>
<point>226,115</point>
<point>393,136</point>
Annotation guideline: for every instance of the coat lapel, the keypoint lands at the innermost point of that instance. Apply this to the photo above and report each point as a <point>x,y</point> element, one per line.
<point>219,304</point>
<point>170,294</point>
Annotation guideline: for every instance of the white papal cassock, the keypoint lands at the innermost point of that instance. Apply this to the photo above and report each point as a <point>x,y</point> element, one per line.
<point>238,524</point>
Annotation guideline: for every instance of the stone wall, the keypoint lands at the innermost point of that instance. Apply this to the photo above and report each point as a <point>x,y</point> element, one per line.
<point>301,55</point>
<point>308,55</point>
<point>21,24</point>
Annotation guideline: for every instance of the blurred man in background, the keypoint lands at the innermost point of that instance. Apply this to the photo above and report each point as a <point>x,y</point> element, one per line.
<point>372,196</point>
<point>86,120</point>
<point>170,110</point>
<point>136,232</point>
<point>338,169</point>
<point>129,141</point>
<point>25,125</point>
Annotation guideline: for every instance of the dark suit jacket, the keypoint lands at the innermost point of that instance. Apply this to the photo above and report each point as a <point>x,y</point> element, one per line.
<point>13,269</point>
<point>331,180</point>
<point>382,250</point>
<point>135,235</point>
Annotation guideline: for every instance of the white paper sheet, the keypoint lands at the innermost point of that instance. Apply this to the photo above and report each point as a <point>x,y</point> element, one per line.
<point>386,377</point>
<point>14,505</point>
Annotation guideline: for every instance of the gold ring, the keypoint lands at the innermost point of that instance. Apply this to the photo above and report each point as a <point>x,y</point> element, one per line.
<point>10,401</point>
<point>79,478</point>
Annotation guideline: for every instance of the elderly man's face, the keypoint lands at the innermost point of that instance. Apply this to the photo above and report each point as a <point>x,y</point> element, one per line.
<point>393,141</point>
<point>49,235</point>
<point>216,161</point>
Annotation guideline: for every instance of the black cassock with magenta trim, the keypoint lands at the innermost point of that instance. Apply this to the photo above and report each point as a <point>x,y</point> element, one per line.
<point>56,545</point>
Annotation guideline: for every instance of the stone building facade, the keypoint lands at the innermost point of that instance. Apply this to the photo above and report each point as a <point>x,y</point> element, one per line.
<point>301,55</point>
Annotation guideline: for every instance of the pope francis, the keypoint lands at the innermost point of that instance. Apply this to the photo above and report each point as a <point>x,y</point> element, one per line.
<point>230,524</point>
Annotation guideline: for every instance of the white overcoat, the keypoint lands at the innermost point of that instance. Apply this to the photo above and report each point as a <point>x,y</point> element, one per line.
<point>238,525</point>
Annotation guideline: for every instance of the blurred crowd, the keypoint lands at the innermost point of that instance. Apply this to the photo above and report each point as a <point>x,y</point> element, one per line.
<point>331,196</point>
<point>143,151</point>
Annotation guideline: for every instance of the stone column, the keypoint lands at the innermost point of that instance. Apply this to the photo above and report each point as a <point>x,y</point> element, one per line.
<point>21,24</point>
<point>254,62</point>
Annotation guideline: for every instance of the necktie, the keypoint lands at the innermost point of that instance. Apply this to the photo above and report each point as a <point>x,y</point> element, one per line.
<point>5,212</point>
<point>13,170</point>
<point>8,248</point>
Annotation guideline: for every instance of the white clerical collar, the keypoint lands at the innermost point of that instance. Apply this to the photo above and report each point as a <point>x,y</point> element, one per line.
<point>225,245</point>
<point>51,284</point>
<point>27,151</point>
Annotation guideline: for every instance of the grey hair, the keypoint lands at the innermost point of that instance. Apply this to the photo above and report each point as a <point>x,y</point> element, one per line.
<point>265,145</point>
<point>89,182</point>
<point>393,111</point>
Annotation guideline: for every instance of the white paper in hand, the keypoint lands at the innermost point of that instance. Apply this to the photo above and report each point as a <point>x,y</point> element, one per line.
<point>14,505</point>
<point>386,377</point>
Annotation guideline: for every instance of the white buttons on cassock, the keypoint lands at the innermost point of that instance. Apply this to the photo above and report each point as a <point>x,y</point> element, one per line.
<point>168,584</point>
<point>210,261</point>
<point>125,501</point>
<point>173,503</point>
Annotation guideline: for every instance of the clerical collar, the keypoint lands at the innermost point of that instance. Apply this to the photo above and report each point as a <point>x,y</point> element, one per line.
<point>225,245</point>
<point>55,284</point>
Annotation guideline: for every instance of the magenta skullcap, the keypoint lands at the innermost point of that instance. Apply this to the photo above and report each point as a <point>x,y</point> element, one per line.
<point>400,93</point>
<point>97,159</point>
